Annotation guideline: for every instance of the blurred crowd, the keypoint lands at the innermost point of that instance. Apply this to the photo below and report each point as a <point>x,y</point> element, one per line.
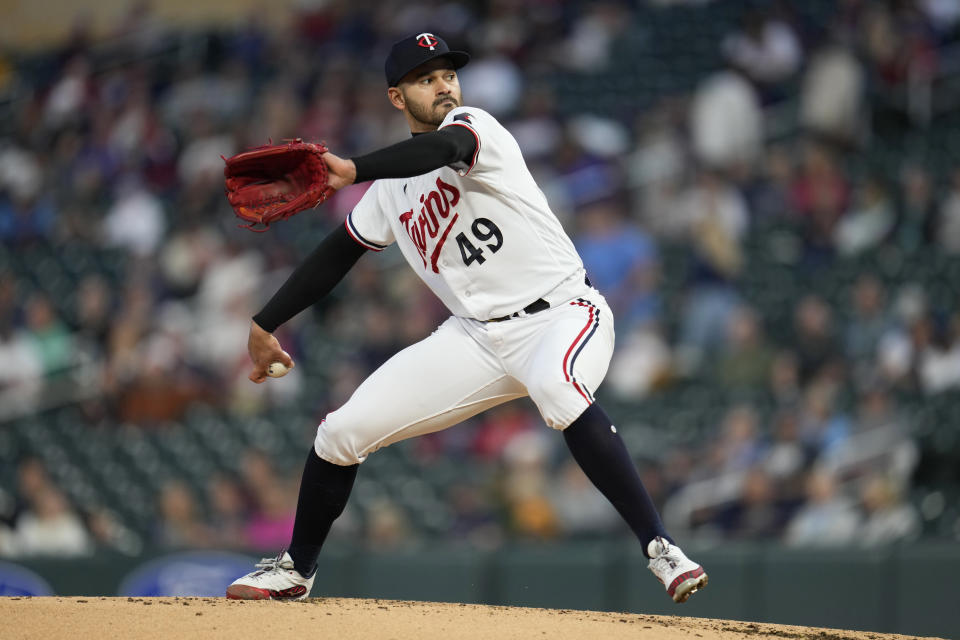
<point>127,289</point>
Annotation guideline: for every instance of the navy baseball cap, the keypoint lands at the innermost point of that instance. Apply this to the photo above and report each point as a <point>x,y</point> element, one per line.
<point>409,53</point>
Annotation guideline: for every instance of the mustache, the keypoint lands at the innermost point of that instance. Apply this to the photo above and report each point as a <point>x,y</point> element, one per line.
<point>440,101</point>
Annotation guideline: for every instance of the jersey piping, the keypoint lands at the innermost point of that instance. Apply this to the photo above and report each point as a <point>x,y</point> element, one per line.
<point>352,230</point>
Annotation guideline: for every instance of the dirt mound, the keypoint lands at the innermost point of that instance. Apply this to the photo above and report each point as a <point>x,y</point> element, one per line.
<point>54,618</point>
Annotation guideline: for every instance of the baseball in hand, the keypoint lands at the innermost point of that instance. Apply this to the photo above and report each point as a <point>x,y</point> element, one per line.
<point>277,370</point>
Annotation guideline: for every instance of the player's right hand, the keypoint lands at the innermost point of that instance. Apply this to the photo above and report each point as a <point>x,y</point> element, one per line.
<point>264,349</point>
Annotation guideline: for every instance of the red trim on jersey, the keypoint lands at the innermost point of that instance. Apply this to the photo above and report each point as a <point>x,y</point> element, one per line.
<point>366,244</point>
<point>566,374</point>
<point>475,153</point>
<point>435,255</point>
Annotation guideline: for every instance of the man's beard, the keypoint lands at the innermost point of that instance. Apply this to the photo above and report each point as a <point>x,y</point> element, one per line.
<point>431,115</point>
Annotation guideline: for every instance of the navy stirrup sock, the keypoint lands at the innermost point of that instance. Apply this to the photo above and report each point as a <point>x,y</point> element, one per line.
<point>324,490</point>
<point>600,452</point>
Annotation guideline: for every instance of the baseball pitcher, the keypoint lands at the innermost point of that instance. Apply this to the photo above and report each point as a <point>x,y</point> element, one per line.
<point>458,199</point>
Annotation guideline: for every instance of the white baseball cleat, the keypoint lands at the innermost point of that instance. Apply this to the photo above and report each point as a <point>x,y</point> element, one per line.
<point>679,574</point>
<point>274,579</point>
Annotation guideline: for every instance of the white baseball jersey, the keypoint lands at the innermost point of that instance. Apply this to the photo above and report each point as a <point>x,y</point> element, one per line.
<point>485,241</point>
<point>481,236</point>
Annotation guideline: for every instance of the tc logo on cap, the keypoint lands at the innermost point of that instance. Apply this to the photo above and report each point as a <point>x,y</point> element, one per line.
<point>427,41</point>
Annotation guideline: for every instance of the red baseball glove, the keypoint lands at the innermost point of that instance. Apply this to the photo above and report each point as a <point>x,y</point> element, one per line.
<point>273,182</point>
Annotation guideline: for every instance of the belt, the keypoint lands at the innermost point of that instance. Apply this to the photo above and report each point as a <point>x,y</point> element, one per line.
<point>536,306</point>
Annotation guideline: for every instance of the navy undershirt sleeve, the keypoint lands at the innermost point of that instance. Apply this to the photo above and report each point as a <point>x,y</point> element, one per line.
<point>312,280</point>
<point>419,155</point>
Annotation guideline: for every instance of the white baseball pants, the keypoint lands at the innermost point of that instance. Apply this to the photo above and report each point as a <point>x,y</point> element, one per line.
<point>558,357</point>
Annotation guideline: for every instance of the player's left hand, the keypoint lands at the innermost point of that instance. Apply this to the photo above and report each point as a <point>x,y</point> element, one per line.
<point>341,172</point>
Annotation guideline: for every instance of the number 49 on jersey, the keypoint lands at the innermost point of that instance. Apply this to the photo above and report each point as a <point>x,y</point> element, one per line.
<point>485,231</point>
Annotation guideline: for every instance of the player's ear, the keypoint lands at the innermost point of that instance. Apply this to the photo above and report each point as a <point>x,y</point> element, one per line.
<point>395,96</point>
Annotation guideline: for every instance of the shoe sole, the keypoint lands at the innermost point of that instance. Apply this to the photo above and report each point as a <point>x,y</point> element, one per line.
<point>689,587</point>
<point>245,592</point>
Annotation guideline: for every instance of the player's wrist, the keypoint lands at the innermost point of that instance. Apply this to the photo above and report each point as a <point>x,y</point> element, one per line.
<point>351,171</point>
<point>256,327</point>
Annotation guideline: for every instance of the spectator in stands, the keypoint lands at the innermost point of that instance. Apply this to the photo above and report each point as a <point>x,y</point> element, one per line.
<point>24,214</point>
<point>525,485</point>
<point>726,123</point>
<point>130,326</point>
<point>94,315</point>
<point>498,82</point>
<point>32,481</point>
<point>819,195</point>
<point>822,428</point>
<point>381,338</point>
<point>581,511</point>
<point>590,44</point>
<point>48,336</point>
<point>896,354</point>
<point>747,356</point>
<point>948,222</point>
<point>829,519</point>
<point>497,427</point>
<point>228,516</point>
<point>475,521</point>
<point>70,96</point>
<point>869,221</point>
<point>32,478</point>
<point>756,514</point>
<point>109,532</point>
<point>621,260</point>
<point>388,527</point>
<point>768,190</point>
<point>162,383</point>
<point>26,218</point>
<point>917,211</point>
<point>888,518</point>
<point>880,442</point>
<point>277,112</point>
<point>784,380</point>
<point>655,170</point>
<point>180,525</point>
<point>831,100</point>
<point>936,354</point>
<point>739,446</point>
<point>271,522</point>
<point>272,500</point>
<point>896,44</point>
<point>49,526</point>
<point>814,337</point>
<point>223,300</point>
<point>21,376</point>
<point>868,323</point>
<point>717,220</point>
<point>536,127</point>
<point>581,177</point>
<point>642,363</point>
<point>766,49</point>
<point>786,458</point>
<point>136,221</point>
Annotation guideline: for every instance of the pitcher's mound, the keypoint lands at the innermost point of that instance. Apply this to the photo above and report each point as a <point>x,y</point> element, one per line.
<point>56,618</point>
